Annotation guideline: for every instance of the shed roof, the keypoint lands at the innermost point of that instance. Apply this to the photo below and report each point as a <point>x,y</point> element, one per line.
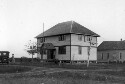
<point>112,45</point>
<point>66,28</point>
<point>4,51</point>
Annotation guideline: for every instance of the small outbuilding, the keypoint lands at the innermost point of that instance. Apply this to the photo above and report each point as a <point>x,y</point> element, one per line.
<point>110,51</point>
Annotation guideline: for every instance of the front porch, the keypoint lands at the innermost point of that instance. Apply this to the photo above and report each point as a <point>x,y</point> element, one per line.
<point>47,51</point>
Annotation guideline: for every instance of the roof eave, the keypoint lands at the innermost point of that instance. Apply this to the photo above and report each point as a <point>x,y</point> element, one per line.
<point>108,49</point>
<point>52,35</point>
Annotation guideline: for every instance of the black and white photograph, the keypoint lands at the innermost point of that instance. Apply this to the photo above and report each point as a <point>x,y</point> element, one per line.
<point>62,41</point>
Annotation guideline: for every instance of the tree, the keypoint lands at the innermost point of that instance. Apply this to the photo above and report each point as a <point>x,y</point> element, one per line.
<point>31,48</point>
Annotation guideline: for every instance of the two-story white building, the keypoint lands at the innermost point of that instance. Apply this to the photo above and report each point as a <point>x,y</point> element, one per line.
<point>67,41</point>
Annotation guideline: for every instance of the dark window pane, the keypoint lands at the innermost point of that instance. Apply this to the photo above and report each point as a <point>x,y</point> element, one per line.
<point>120,55</point>
<point>62,37</point>
<point>107,55</point>
<point>80,37</point>
<point>102,55</point>
<point>62,50</point>
<point>80,50</point>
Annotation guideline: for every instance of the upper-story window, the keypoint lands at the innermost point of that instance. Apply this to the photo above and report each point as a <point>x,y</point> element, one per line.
<point>44,52</point>
<point>80,50</point>
<point>80,37</point>
<point>89,38</point>
<point>107,55</point>
<point>62,37</point>
<point>102,55</point>
<point>120,55</point>
<point>42,40</point>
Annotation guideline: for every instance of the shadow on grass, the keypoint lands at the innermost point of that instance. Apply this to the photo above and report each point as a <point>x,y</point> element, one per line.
<point>13,69</point>
<point>63,65</point>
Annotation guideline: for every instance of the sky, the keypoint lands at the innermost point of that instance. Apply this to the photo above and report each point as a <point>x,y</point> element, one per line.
<point>22,20</point>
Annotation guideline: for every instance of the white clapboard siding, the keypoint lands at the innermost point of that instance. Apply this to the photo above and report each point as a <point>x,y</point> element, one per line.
<point>84,55</point>
<point>113,55</point>
<point>63,56</point>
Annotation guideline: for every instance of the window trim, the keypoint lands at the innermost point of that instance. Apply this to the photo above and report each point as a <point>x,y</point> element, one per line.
<point>84,38</point>
<point>80,37</point>
<point>102,56</point>
<point>43,39</point>
<point>89,38</point>
<point>62,50</point>
<point>4,54</point>
<point>79,50</point>
<point>44,52</point>
<point>107,55</point>
<point>62,37</point>
<point>120,56</point>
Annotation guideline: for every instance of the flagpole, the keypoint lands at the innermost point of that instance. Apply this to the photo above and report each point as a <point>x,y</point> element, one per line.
<point>43,31</point>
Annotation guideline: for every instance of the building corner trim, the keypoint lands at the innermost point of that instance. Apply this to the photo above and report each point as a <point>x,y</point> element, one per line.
<point>70,47</point>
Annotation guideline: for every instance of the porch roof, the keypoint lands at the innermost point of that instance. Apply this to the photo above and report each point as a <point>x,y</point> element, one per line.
<point>47,46</point>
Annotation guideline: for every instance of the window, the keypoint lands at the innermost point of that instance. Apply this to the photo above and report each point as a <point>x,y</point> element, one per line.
<point>120,55</point>
<point>62,50</point>
<point>102,55</point>
<point>107,55</point>
<point>89,38</point>
<point>4,53</point>
<point>84,38</point>
<point>62,37</point>
<point>80,50</point>
<point>80,37</point>
<point>42,40</point>
<point>44,51</point>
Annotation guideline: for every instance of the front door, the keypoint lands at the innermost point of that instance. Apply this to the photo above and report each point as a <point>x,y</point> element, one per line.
<point>50,54</point>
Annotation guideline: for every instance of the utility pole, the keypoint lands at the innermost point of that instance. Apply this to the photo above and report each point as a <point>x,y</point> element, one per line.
<point>89,48</point>
<point>42,50</point>
<point>43,31</point>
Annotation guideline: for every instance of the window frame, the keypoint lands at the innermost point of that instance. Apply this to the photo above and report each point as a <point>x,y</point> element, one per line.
<point>43,39</point>
<point>44,52</point>
<point>120,56</point>
<point>62,37</point>
<point>79,50</point>
<point>102,56</point>
<point>107,55</point>
<point>80,37</point>
<point>4,54</point>
<point>62,50</point>
<point>89,38</point>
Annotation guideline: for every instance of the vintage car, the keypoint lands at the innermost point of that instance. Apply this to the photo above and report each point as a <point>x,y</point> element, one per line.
<point>4,57</point>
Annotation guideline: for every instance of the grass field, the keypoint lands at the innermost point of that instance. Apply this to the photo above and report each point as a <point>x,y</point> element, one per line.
<point>49,73</point>
<point>13,69</point>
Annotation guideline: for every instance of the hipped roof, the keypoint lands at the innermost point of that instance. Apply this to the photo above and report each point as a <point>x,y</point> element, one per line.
<point>111,45</point>
<point>66,28</point>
